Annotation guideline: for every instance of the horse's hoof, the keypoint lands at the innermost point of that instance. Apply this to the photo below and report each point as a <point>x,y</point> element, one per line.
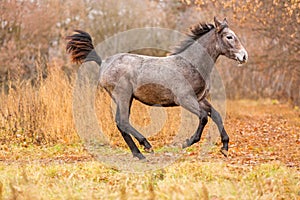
<point>185,144</point>
<point>144,160</point>
<point>140,156</point>
<point>150,150</point>
<point>224,152</point>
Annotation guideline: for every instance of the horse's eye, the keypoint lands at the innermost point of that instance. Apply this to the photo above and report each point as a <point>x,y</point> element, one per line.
<point>229,37</point>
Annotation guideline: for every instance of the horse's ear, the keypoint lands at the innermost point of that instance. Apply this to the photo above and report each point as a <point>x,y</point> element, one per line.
<point>217,22</point>
<point>220,25</point>
<point>225,21</point>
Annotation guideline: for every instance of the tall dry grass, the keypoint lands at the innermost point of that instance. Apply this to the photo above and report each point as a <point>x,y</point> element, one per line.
<point>39,114</point>
<point>42,114</point>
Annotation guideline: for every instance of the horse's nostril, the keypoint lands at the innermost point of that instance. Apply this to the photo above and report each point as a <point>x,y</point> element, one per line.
<point>245,57</point>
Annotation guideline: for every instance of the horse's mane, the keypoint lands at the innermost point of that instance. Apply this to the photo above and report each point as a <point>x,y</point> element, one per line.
<point>195,33</point>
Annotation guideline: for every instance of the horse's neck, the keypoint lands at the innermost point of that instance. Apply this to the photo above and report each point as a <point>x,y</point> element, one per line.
<point>202,54</point>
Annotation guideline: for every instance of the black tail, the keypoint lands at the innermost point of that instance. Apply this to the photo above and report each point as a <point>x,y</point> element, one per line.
<point>81,48</point>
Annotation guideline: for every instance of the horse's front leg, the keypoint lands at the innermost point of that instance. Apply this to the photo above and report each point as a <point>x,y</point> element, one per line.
<point>191,104</point>
<point>197,136</point>
<point>216,117</point>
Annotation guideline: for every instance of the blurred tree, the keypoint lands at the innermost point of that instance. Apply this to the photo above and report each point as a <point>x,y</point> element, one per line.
<point>32,36</point>
<point>32,33</point>
<point>24,37</point>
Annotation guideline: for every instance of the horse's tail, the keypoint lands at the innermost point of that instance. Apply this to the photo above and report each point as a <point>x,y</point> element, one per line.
<point>81,48</point>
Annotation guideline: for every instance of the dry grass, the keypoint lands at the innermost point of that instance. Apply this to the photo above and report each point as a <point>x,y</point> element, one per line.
<point>41,156</point>
<point>60,176</point>
<point>38,115</point>
<point>43,115</point>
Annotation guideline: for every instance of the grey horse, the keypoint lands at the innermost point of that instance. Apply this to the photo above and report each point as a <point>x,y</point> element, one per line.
<point>179,79</point>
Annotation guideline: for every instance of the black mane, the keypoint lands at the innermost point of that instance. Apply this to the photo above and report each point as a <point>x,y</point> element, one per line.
<point>195,33</point>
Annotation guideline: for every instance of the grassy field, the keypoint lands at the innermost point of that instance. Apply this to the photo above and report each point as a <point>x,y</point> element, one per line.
<point>81,177</point>
<point>254,169</point>
<point>41,157</point>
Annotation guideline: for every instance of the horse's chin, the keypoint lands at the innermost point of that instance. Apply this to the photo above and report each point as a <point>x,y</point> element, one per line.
<point>240,62</point>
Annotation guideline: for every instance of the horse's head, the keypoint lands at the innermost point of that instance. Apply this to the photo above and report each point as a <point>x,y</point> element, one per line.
<point>228,44</point>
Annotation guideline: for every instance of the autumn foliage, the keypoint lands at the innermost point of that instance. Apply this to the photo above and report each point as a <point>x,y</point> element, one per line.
<point>271,33</point>
<point>32,36</point>
<point>42,157</point>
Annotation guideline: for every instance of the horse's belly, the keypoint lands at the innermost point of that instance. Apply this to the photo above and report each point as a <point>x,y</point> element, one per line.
<point>155,94</point>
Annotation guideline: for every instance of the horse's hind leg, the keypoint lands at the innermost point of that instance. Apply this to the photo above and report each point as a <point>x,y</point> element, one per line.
<point>133,148</point>
<point>123,99</point>
<point>122,120</point>
<point>216,117</point>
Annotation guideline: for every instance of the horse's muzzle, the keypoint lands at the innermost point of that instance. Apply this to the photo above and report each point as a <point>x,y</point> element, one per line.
<point>242,56</point>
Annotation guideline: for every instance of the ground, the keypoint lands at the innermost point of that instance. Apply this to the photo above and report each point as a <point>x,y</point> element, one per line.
<point>263,163</point>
